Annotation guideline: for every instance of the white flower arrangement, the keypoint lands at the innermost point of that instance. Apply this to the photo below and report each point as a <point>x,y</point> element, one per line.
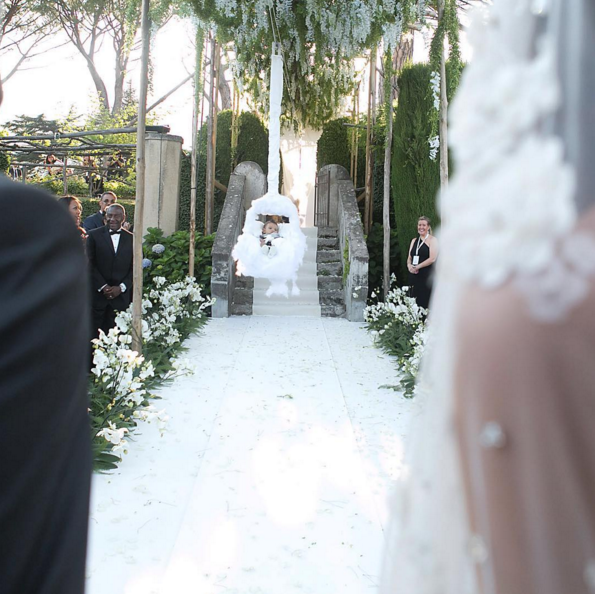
<point>399,328</point>
<point>434,143</point>
<point>123,379</point>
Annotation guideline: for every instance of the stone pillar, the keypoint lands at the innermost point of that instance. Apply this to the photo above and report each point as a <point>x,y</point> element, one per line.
<point>162,181</point>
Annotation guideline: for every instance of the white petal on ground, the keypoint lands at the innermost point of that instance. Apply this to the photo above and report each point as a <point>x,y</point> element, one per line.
<point>249,490</point>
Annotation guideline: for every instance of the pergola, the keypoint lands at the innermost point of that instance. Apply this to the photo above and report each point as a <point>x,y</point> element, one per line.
<point>27,151</point>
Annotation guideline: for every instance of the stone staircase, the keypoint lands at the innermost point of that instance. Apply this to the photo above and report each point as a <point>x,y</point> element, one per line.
<point>319,280</point>
<point>329,263</point>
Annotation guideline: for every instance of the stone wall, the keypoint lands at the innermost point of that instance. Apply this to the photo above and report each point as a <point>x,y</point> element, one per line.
<point>353,247</point>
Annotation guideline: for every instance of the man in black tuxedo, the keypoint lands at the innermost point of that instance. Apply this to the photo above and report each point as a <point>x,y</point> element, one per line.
<point>44,431</point>
<point>110,250</point>
<point>97,220</point>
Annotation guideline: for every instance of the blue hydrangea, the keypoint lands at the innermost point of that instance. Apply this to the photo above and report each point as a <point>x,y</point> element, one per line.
<point>158,248</point>
<point>147,263</point>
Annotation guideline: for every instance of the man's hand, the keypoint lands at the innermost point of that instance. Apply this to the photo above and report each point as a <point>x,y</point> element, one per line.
<point>112,292</point>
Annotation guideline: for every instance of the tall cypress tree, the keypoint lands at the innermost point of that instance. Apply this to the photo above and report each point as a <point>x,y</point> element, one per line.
<point>415,177</point>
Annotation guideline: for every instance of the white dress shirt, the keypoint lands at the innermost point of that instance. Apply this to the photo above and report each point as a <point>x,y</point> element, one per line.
<point>115,237</point>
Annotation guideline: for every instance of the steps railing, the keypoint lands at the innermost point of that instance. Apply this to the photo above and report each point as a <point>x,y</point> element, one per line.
<point>355,252</point>
<point>246,183</point>
<point>344,210</point>
<point>230,225</point>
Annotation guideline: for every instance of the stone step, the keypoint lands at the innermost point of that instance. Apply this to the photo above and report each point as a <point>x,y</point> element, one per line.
<point>329,256</point>
<point>304,298</point>
<point>244,282</point>
<point>327,232</point>
<point>287,309</point>
<point>330,283</point>
<point>335,297</point>
<point>330,269</point>
<point>328,243</point>
<point>310,231</point>
<point>333,311</point>
<point>241,310</point>
<point>243,296</point>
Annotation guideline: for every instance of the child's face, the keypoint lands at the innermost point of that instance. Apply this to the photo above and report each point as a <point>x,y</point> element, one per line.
<point>269,228</point>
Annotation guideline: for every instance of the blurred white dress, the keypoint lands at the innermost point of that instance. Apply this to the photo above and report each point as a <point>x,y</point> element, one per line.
<point>500,497</point>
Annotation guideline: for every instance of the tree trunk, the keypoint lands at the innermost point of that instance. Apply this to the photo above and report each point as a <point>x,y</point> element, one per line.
<point>224,87</point>
<point>137,299</point>
<point>99,84</point>
<point>443,112</point>
<point>199,41</point>
<point>369,139</point>
<point>387,162</point>
<point>212,141</point>
<point>122,55</point>
<point>404,52</point>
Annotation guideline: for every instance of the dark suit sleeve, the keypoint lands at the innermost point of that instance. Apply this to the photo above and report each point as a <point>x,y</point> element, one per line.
<point>44,430</point>
<point>97,280</point>
<point>92,222</point>
<point>89,223</point>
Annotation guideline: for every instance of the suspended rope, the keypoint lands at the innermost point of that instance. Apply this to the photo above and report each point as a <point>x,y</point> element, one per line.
<point>278,265</point>
<point>276,39</point>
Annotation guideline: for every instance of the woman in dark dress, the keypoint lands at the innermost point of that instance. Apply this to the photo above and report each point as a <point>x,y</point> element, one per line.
<point>423,252</point>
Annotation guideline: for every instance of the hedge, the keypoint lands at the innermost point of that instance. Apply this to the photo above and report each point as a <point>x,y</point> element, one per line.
<point>91,206</point>
<point>4,162</point>
<point>78,187</point>
<point>334,147</point>
<point>415,178</point>
<point>253,145</point>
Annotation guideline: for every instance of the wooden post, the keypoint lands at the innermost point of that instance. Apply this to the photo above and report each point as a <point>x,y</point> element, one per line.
<point>369,139</point>
<point>198,93</point>
<point>443,130</point>
<point>214,136</point>
<point>212,143</point>
<point>388,73</point>
<point>356,151</point>
<point>235,125</point>
<point>137,295</point>
<point>352,147</point>
<point>65,176</point>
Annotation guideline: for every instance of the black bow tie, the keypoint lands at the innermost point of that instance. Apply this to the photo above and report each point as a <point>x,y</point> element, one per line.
<point>115,232</point>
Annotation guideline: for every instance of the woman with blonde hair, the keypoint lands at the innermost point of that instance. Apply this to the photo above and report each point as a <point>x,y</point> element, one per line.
<point>423,252</point>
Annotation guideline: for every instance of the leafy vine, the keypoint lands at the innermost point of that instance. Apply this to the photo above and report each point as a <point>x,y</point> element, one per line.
<point>448,26</point>
<point>319,39</point>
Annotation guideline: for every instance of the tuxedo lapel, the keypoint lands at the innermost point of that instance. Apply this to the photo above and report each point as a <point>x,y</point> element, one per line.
<point>108,240</point>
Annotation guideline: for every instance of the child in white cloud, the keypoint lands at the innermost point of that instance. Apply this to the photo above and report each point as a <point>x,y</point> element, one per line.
<point>270,233</point>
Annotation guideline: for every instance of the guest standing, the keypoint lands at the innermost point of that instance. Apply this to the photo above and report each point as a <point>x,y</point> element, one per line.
<point>98,219</point>
<point>44,427</point>
<point>423,252</point>
<point>75,208</point>
<point>110,251</point>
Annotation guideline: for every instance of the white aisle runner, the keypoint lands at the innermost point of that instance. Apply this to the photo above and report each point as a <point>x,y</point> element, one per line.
<point>273,475</point>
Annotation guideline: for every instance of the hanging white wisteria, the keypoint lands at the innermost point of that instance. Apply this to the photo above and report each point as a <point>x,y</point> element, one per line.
<point>320,39</point>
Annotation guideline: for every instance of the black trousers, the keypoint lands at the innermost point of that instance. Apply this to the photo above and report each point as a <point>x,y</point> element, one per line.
<point>104,318</point>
